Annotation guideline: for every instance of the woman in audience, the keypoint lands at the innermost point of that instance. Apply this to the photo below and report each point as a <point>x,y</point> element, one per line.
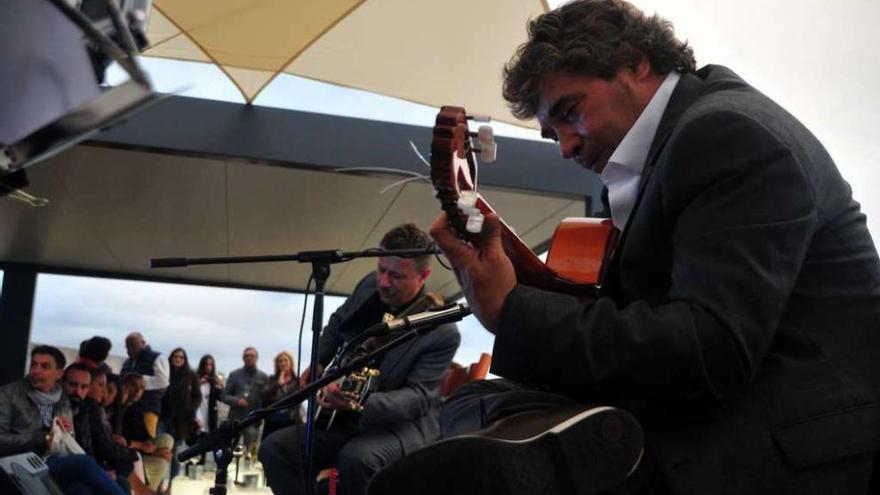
<point>112,403</point>
<point>282,383</point>
<point>211,386</point>
<point>179,404</point>
<point>155,451</point>
<point>131,390</point>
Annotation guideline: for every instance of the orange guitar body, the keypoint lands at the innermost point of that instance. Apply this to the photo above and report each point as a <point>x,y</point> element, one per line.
<point>579,247</point>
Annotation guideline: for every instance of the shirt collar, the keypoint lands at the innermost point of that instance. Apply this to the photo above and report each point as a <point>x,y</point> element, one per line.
<point>632,151</point>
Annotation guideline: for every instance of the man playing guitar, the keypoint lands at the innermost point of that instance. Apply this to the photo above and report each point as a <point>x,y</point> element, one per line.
<point>737,320</point>
<point>400,412</point>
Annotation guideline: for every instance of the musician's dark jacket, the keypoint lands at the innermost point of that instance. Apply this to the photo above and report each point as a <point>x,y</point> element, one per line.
<point>740,317</point>
<point>406,397</point>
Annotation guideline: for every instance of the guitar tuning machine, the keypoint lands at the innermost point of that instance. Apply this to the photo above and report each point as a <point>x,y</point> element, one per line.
<point>475,222</point>
<point>488,152</point>
<point>467,203</point>
<point>486,148</point>
<point>478,117</point>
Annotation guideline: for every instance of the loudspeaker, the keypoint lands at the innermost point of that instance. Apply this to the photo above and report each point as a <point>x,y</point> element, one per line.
<point>26,474</point>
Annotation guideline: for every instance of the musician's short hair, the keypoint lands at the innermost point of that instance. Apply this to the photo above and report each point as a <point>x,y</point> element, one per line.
<point>409,236</point>
<point>57,355</point>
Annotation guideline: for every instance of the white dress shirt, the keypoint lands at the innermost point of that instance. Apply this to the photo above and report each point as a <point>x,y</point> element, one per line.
<point>202,412</point>
<point>624,170</point>
<point>159,380</point>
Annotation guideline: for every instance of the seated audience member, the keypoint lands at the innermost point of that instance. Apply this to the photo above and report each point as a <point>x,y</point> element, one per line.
<point>282,383</point>
<point>28,410</point>
<point>112,402</point>
<point>155,451</point>
<point>131,386</point>
<point>94,351</point>
<point>92,432</point>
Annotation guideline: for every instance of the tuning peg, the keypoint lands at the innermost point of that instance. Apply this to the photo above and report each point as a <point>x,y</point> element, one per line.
<point>467,201</point>
<point>474,222</point>
<point>488,152</point>
<point>479,118</point>
<point>485,135</point>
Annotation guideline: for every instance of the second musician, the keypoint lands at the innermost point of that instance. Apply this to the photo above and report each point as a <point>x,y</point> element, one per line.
<point>400,414</point>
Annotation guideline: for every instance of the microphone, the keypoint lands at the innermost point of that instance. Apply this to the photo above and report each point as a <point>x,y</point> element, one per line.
<point>438,316</point>
<point>361,344</point>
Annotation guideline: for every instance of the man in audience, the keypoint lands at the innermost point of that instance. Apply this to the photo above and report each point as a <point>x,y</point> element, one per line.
<point>94,351</point>
<point>75,383</point>
<point>84,387</point>
<point>28,410</point>
<point>144,360</point>
<point>242,393</point>
<point>28,407</point>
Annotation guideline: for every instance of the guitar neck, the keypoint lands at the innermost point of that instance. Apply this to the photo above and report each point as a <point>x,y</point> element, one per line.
<point>530,270</point>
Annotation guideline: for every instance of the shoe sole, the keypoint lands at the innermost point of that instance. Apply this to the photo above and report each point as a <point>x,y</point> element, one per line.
<point>590,452</point>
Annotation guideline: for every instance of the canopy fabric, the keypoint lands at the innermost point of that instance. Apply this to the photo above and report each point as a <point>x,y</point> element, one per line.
<point>429,52</point>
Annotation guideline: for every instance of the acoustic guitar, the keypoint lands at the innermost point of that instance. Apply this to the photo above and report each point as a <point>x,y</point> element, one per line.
<point>357,385</point>
<point>580,246</point>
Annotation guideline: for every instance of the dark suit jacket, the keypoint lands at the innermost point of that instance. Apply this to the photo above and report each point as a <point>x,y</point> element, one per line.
<point>406,397</point>
<point>740,317</point>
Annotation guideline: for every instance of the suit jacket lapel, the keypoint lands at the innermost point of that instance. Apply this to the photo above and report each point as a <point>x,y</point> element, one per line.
<point>689,87</point>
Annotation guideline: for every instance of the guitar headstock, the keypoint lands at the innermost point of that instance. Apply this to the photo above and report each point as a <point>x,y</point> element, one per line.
<point>454,169</point>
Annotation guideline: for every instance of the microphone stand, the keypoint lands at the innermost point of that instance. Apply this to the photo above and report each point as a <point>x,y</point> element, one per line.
<point>320,261</point>
<point>221,440</point>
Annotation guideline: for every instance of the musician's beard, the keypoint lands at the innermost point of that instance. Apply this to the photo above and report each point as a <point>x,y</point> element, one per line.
<point>392,299</point>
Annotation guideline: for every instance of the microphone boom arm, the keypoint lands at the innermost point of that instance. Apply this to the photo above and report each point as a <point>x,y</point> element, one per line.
<point>220,440</point>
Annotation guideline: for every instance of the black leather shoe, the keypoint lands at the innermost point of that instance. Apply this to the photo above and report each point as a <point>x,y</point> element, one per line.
<point>573,450</point>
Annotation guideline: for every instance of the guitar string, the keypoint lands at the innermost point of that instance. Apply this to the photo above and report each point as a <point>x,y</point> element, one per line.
<point>415,177</point>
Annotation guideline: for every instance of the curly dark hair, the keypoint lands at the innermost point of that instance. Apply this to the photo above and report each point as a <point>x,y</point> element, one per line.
<point>408,236</point>
<point>590,38</point>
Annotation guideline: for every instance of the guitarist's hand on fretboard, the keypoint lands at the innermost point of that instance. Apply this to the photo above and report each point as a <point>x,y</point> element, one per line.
<point>332,398</point>
<point>483,270</point>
